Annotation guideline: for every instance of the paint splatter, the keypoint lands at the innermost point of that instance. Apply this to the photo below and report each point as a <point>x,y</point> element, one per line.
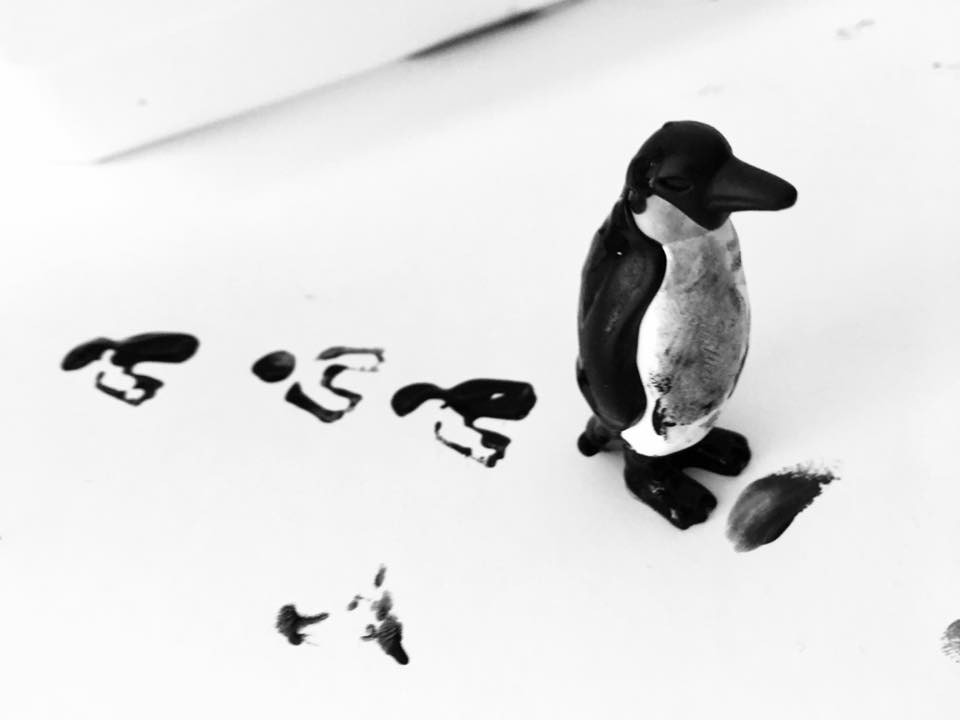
<point>767,506</point>
<point>472,400</point>
<point>380,576</point>
<point>280,364</point>
<point>290,623</point>
<point>950,641</point>
<point>127,385</point>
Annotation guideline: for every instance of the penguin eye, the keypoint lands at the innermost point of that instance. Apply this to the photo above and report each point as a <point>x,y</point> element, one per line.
<point>675,183</point>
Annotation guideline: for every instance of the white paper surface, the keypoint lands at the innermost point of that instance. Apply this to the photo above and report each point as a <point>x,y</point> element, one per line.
<point>441,209</point>
<point>91,80</point>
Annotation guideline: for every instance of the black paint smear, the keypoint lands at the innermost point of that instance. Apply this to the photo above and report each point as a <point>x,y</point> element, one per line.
<point>332,353</point>
<point>162,347</point>
<point>950,641</point>
<point>462,449</point>
<point>488,439</point>
<point>290,623</point>
<point>296,396</point>
<point>274,367</point>
<point>381,575</point>
<point>330,373</point>
<point>472,400</point>
<point>767,506</point>
<point>660,421</point>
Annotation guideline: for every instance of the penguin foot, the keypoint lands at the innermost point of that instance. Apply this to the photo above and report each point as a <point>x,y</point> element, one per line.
<point>586,446</point>
<point>676,496</point>
<point>723,452</point>
<point>597,437</point>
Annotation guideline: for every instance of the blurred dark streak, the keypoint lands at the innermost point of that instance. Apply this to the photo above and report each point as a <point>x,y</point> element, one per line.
<point>497,26</point>
<point>477,33</point>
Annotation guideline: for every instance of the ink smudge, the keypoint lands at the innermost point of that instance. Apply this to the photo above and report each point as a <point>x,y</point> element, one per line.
<point>383,606</point>
<point>352,605</point>
<point>274,367</point>
<point>290,623</point>
<point>161,347</point>
<point>950,641</point>
<point>380,576</point>
<point>389,637</point>
<point>845,33</point>
<point>767,506</point>
<point>472,400</point>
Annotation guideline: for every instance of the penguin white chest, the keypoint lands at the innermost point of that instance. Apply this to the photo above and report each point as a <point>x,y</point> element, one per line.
<point>693,337</point>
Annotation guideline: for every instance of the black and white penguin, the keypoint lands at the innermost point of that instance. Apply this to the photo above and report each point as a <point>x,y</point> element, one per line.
<point>664,319</point>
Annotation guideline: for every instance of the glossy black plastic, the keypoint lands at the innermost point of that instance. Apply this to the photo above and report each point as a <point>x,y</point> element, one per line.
<point>691,166</point>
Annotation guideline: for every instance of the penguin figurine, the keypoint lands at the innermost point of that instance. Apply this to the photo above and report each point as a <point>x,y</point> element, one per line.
<point>664,319</point>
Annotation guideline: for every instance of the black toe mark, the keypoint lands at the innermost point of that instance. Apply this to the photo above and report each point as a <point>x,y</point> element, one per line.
<point>274,367</point>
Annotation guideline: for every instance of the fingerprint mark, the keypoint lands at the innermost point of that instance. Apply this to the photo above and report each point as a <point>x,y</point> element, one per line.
<point>950,641</point>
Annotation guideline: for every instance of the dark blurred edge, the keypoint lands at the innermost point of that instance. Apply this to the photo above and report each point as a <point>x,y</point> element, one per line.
<point>497,26</point>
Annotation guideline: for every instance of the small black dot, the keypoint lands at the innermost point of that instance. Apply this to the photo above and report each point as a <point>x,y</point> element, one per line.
<point>275,366</point>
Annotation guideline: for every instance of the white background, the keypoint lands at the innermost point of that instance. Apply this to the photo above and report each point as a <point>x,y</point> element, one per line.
<point>441,208</point>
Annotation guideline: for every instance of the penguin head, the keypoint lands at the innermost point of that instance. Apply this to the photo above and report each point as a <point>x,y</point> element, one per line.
<point>691,166</point>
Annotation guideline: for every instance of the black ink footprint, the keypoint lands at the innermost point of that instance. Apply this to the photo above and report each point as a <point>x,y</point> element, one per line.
<point>472,400</point>
<point>162,347</point>
<point>280,365</point>
<point>389,634</point>
<point>388,630</point>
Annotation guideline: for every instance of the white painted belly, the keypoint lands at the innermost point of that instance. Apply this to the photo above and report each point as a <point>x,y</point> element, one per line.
<point>694,335</point>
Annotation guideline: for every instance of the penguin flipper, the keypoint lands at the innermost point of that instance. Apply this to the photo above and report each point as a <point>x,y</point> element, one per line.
<point>622,273</point>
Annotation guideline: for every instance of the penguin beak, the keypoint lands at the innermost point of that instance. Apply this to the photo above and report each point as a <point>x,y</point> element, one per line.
<point>739,186</point>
